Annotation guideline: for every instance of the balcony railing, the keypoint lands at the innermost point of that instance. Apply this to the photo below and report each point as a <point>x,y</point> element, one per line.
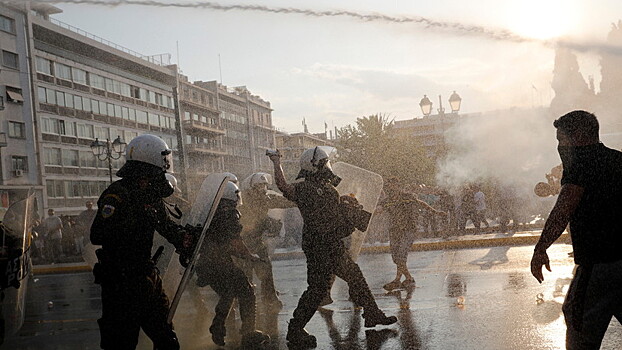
<point>204,148</point>
<point>161,59</point>
<point>202,126</point>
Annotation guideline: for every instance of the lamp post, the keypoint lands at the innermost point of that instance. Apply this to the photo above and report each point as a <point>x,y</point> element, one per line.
<point>454,103</point>
<point>108,151</point>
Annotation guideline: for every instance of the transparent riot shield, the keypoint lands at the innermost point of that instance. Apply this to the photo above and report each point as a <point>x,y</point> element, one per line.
<point>366,186</point>
<point>176,276</point>
<point>15,263</point>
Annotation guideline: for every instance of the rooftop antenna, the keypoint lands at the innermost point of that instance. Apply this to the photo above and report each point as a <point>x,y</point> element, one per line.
<point>220,69</point>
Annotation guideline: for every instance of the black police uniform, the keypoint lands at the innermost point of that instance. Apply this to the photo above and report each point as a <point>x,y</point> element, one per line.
<point>217,269</point>
<point>324,228</point>
<point>256,221</point>
<point>132,293</point>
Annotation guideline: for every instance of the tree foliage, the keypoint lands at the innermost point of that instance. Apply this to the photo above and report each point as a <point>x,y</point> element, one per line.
<point>374,144</point>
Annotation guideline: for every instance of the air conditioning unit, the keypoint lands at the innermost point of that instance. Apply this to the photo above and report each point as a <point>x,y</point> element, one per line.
<point>19,172</point>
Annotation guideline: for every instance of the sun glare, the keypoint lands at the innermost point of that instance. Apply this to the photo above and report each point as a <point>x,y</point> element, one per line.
<point>541,19</point>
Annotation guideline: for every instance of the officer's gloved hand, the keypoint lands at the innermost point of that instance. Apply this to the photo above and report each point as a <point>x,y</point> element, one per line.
<point>189,239</point>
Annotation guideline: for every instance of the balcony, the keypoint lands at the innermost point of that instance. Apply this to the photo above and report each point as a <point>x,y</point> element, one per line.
<point>197,125</point>
<point>205,149</point>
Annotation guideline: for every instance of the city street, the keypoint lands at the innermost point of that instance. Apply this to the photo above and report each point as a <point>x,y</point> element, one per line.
<point>465,299</point>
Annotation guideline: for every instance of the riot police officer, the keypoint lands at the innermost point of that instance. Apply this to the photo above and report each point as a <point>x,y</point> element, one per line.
<point>217,269</point>
<point>256,223</point>
<point>326,223</point>
<point>129,211</point>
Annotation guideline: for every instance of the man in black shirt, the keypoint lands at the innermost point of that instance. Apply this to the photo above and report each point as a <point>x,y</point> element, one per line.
<point>591,201</point>
<point>326,223</point>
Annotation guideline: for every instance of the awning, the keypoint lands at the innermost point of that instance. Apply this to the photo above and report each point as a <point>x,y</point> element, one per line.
<point>14,96</point>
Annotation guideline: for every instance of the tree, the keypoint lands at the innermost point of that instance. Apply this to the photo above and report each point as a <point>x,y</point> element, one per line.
<point>374,144</point>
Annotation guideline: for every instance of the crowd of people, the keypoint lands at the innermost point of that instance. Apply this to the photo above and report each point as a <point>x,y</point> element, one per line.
<point>61,238</point>
<point>132,209</point>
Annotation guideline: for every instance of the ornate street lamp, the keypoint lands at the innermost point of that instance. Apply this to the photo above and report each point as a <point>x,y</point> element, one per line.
<point>426,105</point>
<point>454,102</point>
<point>108,151</point>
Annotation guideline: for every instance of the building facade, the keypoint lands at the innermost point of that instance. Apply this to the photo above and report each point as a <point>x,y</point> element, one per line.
<point>87,90</point>
<point>19,171</point>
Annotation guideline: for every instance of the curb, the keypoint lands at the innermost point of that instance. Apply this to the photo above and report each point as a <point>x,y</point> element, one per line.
<point>477,242</point>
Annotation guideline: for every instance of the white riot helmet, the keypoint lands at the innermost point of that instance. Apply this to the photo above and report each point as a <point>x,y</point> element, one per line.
<point>232,192</point>
<point>256,179</point>
<point>315,159</point>
<point>231,177</point>
<point>146,149</point>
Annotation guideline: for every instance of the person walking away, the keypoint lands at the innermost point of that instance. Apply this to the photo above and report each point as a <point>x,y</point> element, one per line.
<point>129,212</point>
<point>53,236</point>
<point>479,198</point>
<point>217,269</point>
<point>84,220</point>
<point>326,222</point>
<point>590,200</point>
<point>403,209</point>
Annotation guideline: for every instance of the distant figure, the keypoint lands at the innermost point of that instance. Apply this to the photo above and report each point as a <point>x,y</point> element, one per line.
<point>480,207</point>
<point>53,227</point>
<point>83,225</point>
<point>403,209</point>
<point>467,207</point>
<point>591,201</point>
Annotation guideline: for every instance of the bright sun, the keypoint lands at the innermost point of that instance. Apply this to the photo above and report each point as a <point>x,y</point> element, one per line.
<point>541,19</point>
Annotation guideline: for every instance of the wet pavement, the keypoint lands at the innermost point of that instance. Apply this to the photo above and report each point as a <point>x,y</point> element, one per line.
<point>481,298</point>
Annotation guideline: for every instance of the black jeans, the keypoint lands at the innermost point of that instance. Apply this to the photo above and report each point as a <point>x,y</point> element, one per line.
<point>321,266</point>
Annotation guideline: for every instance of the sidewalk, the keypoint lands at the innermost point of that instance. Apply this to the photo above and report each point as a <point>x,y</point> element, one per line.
<point>529,236</point>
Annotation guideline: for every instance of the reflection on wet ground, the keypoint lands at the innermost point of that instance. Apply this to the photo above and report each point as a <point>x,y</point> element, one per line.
<point>464,299</point>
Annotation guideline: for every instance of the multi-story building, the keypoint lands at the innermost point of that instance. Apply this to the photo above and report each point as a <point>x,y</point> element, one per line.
<point>247,121</point>
<point>291,147</point>
<point>19,170</point>
<point>201,134</point>
<point>85,89</point>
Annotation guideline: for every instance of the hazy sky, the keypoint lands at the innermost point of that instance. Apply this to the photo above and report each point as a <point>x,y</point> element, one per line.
<point>335,68</point>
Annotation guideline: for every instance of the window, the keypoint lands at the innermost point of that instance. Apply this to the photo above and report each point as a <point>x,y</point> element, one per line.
<point>41,95</point>
<point>67,128</point>
<point>17,130</point>
<point>102,133</point>
<point>97,81</point>
<point>72,188</point>
<point>79,76</point>
<point>50,96</point>
<point>77,102</point>
<point>55,188</point>
<point>62,71</point>
<point>85,131</point>
<point>70,157</point>
<point>125,113</point>
<point>49,126</point>
<point>95,106</point>
<point>14,94</point>
<point>109,85</point>
<point>10,59</point>
<point>110,109</point>
<point>7,24</point>
<point>43,65</point>
<point>60,98</point>
<point>152,97</point>
<point>141,116</point>
<point>87,159</point>
<point>94,188</point>
<point>134,92</point>
<point>69,100</point>
<point>86,104</point>
<point>52,156</point>
<point>154,119</point>
<point>186,115</point>
<point>19,163</point>
<point>143,94</point>
<point>117,111</point>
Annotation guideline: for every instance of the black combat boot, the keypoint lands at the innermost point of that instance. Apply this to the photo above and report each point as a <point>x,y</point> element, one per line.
<point>300,337</point>
<point>378,318</point>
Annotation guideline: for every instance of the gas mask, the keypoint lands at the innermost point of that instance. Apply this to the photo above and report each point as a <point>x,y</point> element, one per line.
<point>160,186</point>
